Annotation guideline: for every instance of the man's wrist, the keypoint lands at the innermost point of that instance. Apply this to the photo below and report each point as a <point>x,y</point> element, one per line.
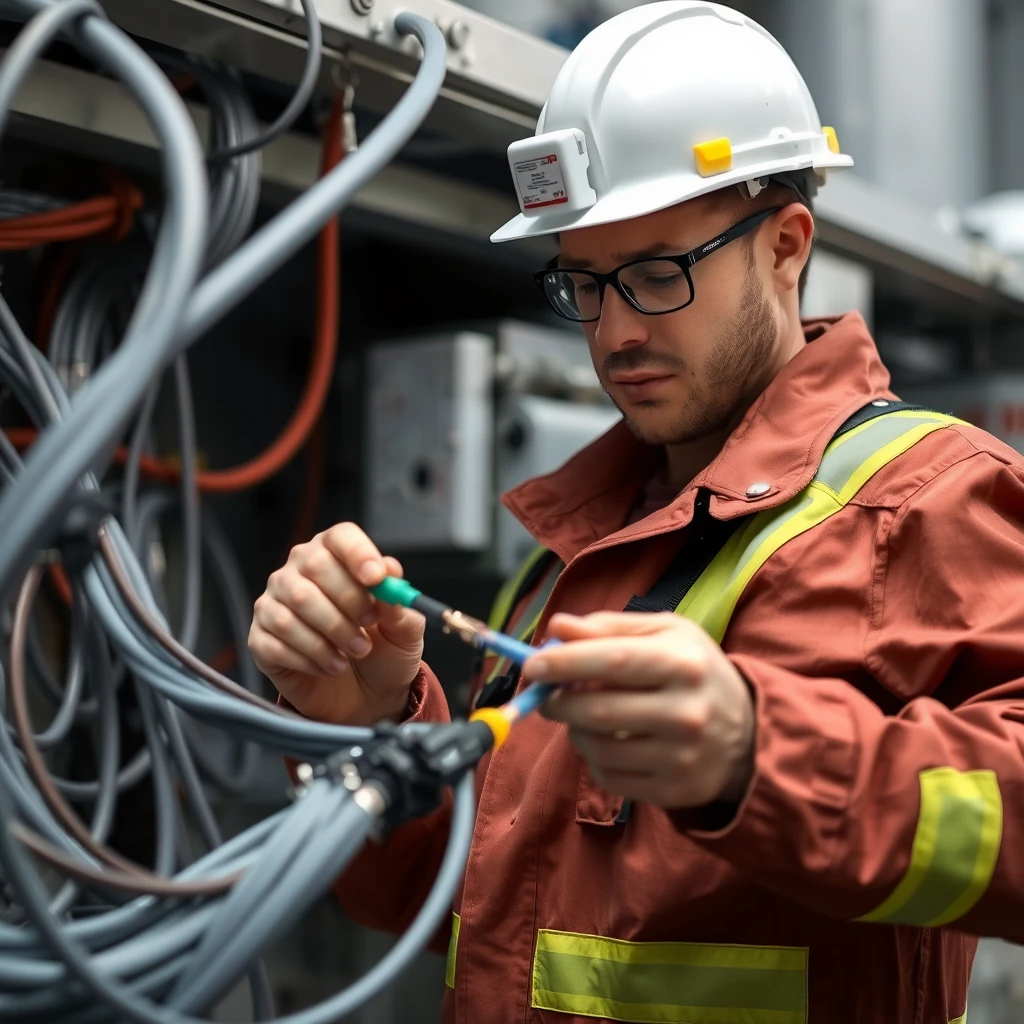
<point>743,770</point>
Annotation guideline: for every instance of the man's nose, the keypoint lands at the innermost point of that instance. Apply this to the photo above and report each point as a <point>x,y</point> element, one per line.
<point>620,326</point>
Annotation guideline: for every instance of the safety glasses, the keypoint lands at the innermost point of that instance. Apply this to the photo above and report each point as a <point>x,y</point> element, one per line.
<point>652,286</point>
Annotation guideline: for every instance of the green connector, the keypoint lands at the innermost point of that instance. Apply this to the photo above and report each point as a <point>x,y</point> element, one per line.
<point>395,591</point>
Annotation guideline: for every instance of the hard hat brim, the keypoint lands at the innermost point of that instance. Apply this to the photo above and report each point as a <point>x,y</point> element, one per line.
<point>637,200</point>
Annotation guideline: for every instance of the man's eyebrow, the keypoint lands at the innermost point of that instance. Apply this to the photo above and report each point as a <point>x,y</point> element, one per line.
<point>647,253</point>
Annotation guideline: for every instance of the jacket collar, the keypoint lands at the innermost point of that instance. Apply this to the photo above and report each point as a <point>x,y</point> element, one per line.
<point>779,442</point>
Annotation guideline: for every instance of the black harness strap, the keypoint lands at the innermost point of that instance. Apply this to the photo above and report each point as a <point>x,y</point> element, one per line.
<point>871,411</point>
<point>706,537</point>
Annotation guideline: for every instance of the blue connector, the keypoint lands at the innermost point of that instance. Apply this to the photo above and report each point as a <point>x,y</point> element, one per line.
<point>510,647</point>
<point>531,698</point>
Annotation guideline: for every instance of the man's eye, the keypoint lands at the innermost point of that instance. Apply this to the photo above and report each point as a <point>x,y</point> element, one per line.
<point>661,280</point>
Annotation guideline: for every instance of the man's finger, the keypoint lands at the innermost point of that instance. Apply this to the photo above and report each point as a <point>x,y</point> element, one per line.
<point>638,786</point>
<point>661,714</point>
<point>647,789</point>
<point>597,624</point>
<point>627,660</point>
<point>644,754</point>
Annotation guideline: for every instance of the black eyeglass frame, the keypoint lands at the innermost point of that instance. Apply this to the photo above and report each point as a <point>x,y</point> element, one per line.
<point>684,261</point>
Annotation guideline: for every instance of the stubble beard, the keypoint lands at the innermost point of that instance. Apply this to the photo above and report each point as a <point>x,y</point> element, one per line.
<point>732,377</point>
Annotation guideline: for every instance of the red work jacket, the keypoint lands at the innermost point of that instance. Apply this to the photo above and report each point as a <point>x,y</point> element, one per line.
<point>885,650</point>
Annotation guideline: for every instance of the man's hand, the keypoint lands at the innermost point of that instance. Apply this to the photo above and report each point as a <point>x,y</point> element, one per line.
<point>658,711</point>
<point>333,652</point>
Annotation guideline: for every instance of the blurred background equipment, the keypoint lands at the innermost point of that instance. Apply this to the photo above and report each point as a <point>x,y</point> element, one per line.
<point>455,420</point>
<point>397,369</point>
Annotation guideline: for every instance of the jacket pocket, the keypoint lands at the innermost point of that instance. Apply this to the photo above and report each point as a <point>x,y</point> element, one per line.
<point>593,805</point>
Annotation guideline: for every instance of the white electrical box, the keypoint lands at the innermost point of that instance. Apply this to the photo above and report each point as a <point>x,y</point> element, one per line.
<point>436,466</point>
<point>536,436</point>
<point>430,434</point>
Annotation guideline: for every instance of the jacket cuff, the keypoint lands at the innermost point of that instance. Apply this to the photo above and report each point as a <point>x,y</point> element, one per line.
<point>804,766</point>
<point>427,702</point>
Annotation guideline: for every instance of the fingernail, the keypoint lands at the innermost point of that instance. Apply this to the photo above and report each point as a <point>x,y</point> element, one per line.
<point>360,646</point>
<point>538,667</point>
<point>339,664</point>
<point>369,619</point>
<point>371,571</point>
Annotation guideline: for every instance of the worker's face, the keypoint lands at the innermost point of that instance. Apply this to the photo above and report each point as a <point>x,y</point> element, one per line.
<point>680,377</point>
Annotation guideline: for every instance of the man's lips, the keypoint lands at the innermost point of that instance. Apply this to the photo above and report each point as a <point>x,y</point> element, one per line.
<point>640,386</point>
<point>637,378</point>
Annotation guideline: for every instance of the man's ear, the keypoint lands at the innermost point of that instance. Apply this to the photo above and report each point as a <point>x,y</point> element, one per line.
<point>791,236</point>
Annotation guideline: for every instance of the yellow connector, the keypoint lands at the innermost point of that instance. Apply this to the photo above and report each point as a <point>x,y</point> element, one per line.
<point>713,157</point>
<point>496,721</point>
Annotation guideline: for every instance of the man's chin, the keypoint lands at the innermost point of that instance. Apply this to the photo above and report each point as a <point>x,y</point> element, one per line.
<point>657,434</point>
<point>651,433</point>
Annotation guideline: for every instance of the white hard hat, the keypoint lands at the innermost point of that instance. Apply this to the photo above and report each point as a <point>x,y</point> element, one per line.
<point>663,103</point>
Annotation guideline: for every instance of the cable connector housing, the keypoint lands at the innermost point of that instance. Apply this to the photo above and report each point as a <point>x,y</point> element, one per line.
<point>412,768</point>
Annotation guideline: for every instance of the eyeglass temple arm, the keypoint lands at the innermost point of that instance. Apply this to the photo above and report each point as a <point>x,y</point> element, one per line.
<point>736,231</point>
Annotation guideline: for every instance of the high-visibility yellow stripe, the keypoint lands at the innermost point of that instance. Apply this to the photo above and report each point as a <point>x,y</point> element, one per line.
<point>846,466</point>
<point>962,1019</point>
<point>453,945</point>
<point>669,982</point>
<point>502,607</point>
<point>956,845</point>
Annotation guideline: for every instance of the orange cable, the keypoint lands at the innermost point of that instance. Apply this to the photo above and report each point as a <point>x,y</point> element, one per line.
<point>325,346</point>
<point>100,215</point>
<point>311,404</point>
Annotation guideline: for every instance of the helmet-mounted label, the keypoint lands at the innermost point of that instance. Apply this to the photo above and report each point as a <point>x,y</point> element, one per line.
<point>550,172</point>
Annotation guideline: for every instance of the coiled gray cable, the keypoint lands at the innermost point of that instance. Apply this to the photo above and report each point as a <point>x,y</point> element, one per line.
<point>110,966</point>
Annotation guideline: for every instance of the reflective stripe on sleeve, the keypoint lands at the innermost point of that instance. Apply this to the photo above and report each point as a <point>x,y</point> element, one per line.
<point>956,845</point>
<point>453,946</point>
<point>669,982</point>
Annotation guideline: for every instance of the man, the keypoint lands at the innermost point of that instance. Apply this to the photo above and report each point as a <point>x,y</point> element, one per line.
<point>761,805</point>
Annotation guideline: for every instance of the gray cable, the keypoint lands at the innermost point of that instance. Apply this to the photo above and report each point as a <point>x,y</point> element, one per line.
<point>70,700</point>
<point>33,41</point>
<point>19,203</point>
<point>300,99</point>
<point>64,453</point>
<point>188,631</point>
<point>50,475</point>
<point>280,239</point>
<point>25,351</point>
<point>338,834</point>
<point>130,493</point>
